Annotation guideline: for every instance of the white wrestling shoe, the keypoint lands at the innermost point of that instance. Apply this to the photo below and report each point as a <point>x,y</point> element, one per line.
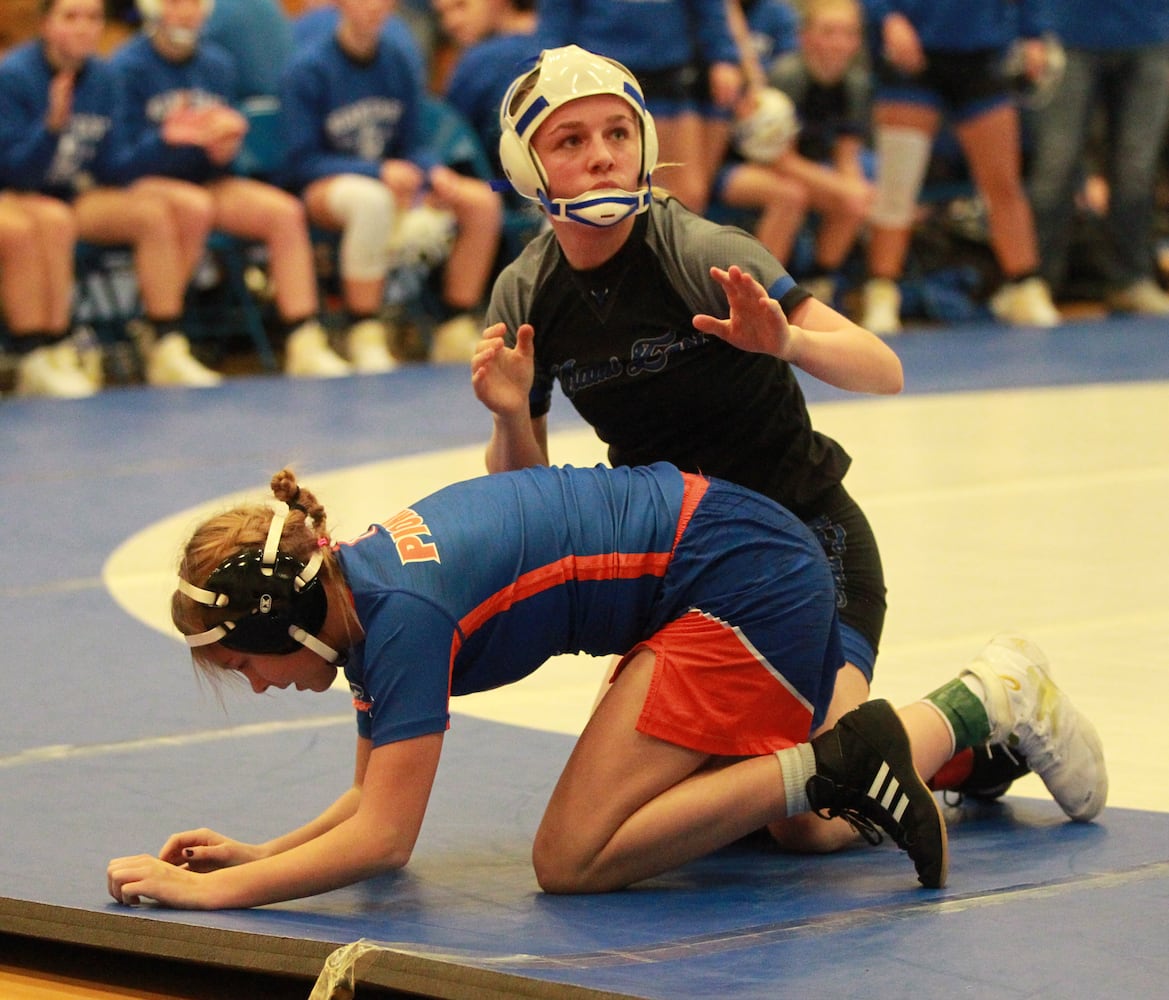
<point>1029,713</point>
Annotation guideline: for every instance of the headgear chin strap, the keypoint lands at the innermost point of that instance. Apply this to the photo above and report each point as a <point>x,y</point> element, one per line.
<point>280,601</point>
<point>600,208</point>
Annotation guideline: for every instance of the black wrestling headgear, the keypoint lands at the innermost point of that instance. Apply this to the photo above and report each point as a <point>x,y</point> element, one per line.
<point>279,601</point>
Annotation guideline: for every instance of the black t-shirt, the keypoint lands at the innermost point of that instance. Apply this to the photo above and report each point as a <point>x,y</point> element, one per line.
<point>620,342</point>
<point>827,112</point>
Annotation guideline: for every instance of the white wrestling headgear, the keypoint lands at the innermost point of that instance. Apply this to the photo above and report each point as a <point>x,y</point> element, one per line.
<point>181,38</point>
<point>768,129</point>
<point>559,76</point>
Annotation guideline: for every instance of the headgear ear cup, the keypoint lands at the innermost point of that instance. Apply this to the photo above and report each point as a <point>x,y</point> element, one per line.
<point>276,603</point>
<point>517,160</point>
<point>649,147</point>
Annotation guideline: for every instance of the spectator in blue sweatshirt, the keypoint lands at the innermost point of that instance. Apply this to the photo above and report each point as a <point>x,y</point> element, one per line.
<point>63,134</point>
<point>181,96</point>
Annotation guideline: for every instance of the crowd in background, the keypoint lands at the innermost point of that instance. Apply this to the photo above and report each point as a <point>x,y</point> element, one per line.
<point>905,160</point>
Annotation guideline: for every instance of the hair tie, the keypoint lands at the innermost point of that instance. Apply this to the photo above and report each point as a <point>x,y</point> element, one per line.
<point>322,542</point>
<point>294,505</point>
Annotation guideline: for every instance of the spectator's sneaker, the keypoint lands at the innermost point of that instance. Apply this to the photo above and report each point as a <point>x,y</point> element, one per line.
<point>822,287</point>
<point>170,362</point>
<point>307,354</point>
<point>1144,297</point>
<point>455,341</point>
<point>1025,303</point>
<point>881,307</point>
<point>1029,713</point>
<point>55,370</point>
<point>368,347</point>
<point>865,774</point>
<point>984,772</point>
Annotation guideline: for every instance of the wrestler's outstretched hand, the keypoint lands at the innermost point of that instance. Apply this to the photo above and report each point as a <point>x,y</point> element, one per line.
<point>756,322</point>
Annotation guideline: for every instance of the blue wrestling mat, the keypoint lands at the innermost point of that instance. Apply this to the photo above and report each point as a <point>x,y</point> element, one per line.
<point>1036,906</point>
<point>108,744</point>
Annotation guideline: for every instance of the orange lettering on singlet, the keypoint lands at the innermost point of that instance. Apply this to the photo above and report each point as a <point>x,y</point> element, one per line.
<point>407,529</point>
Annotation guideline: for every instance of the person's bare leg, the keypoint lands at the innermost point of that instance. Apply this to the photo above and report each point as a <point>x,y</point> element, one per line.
<point>192,212</point>
<point>780,201</point>
<point>682,163</point>
<point>808,833</point>
<point>991,143</point>
<point>629,806</point>
<point>478,215</point>
<point>261,213</point>
<point>57,238</point>
<point>24,289</point>
<point>117,216</point>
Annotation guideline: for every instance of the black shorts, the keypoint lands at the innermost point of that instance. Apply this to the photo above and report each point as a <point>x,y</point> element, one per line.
<point>960,84</point>
<point>842,529</point>
<point>675,90</point>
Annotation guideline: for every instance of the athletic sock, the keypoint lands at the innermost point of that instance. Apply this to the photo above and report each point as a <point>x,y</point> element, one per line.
<point>285,326</point>
<point>353,318</point>
<point>964,712</point>
<point>797,764</point>
<point>34,340</point>
<point>162,327</point>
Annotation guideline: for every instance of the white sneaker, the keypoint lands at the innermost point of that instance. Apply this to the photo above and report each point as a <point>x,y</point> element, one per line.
<point>1144,297</point>
<point>455,341</point>
<point>1032,716</point>
<point>881,304</point>
<point>54,371</point>
<point>368,347</point>
<point>170,362</point>
<point>307,354</point>
<point>1025,303</point>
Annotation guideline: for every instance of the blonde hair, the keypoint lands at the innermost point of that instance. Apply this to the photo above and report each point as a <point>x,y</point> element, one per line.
<point>811,9</point>
<point>246,527</point>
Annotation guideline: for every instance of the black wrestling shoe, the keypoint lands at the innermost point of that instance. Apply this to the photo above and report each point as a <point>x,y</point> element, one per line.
<point>994,770</point>
<point>865,774</point>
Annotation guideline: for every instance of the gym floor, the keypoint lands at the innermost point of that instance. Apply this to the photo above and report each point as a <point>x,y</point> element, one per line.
<point>1020,483</point>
